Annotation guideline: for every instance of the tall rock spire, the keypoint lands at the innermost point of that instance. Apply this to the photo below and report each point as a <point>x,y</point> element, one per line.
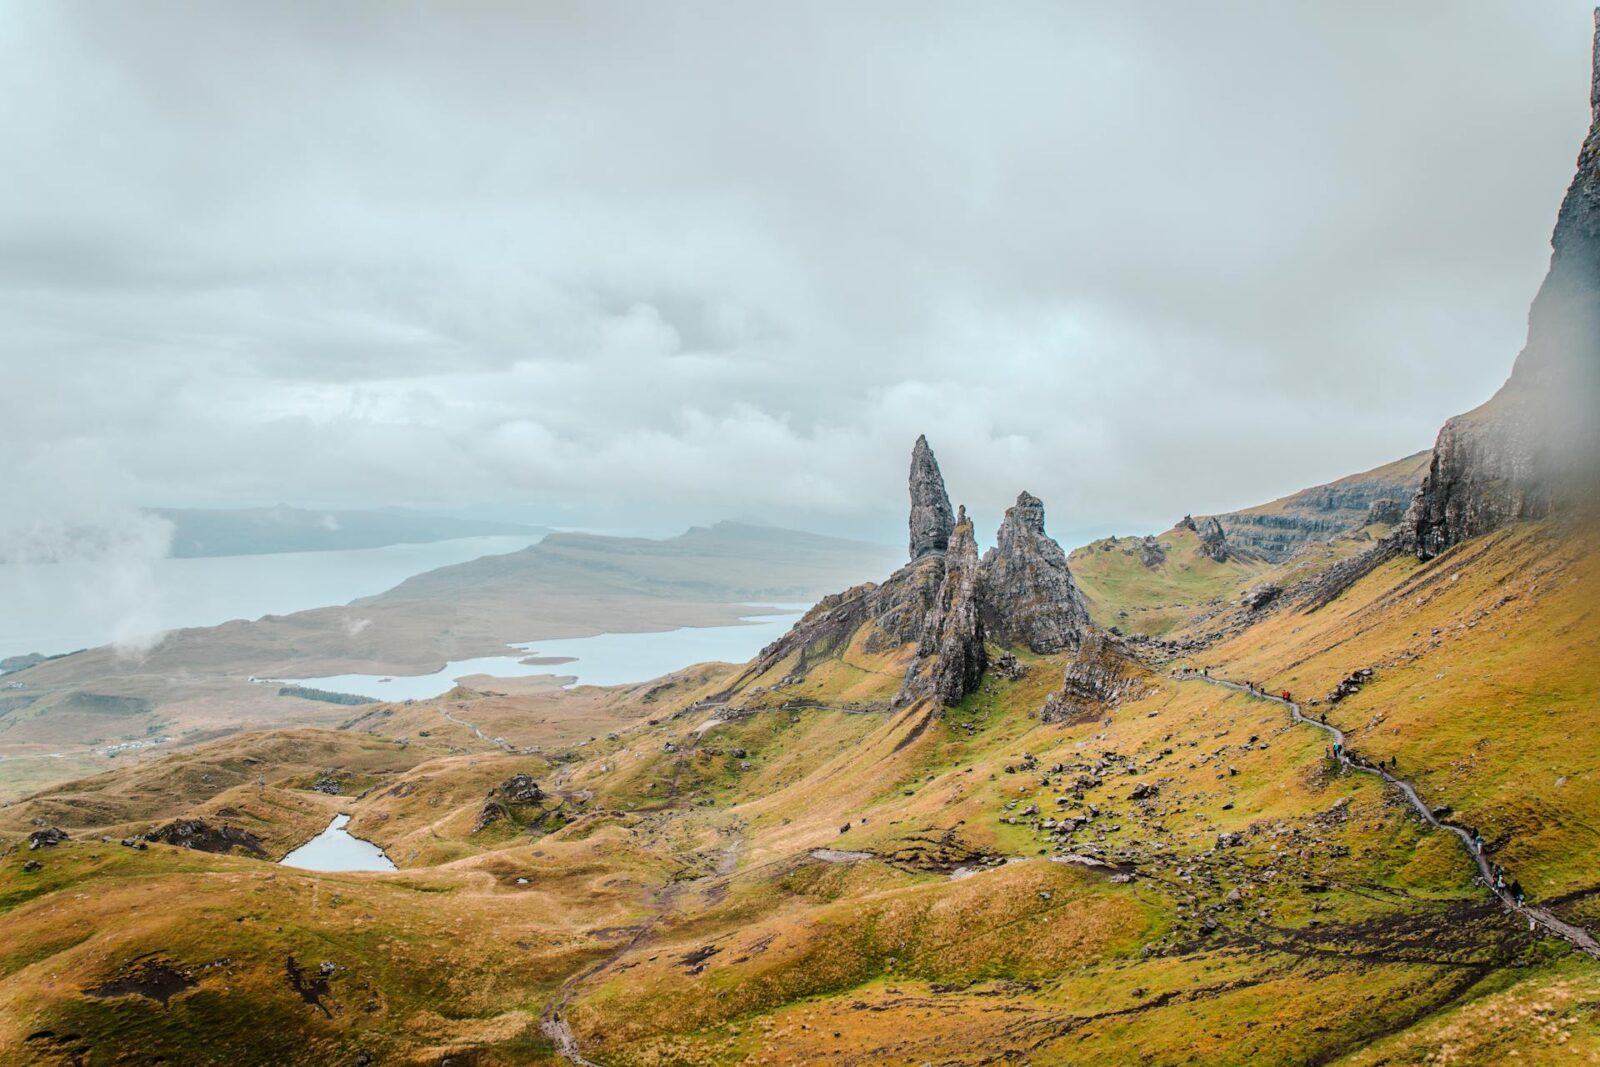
<point>931,518</point>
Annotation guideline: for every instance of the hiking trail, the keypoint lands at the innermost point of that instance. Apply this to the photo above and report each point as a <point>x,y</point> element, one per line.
<point>1576,935</point>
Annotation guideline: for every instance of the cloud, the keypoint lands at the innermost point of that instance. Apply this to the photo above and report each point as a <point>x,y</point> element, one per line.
<point>67,512</point>
<point>678,263</point>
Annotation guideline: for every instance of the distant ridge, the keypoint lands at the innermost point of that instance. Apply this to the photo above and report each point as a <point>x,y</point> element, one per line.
<point>265,531</point>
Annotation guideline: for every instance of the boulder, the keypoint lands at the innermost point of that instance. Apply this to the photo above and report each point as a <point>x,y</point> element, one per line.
<point>1259,596</point>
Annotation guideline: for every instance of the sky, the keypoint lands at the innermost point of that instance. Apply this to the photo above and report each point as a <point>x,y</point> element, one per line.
<point>641,265</point>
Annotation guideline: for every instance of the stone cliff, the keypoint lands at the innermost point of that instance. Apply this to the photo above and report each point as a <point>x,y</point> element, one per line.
<point>1532,449</point>
<point>1277,530</point>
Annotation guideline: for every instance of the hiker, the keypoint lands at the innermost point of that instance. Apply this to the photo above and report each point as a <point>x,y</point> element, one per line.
<point>1516,892</point>
<point>1208,672</point>
<point>1477,842</point>
<point>1338,750</point>
<point>1394,761</point>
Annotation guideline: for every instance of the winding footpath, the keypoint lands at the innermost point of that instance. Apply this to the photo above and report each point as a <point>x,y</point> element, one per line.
<point>498,742</point>
<point>1576,935</point>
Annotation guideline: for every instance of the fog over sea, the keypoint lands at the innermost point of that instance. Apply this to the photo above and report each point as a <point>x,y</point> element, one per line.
<point>61,607</point>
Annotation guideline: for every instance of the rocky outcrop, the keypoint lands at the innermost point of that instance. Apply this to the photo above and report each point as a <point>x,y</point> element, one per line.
<point>950,653</point>
<point>931,520</point>
<point>1100,676</point>
<point>518,791</point>
<point>1384,512</point>
<point>1213,539</point>
<point>203,837</point>
<point>945,601</point>
<point>49,837</point>
<point>1028,597</point>
<point>1533,449</point>
<point>1260,595</point>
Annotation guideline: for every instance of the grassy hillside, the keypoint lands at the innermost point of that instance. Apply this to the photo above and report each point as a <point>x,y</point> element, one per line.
<point>1152,589</point>
<point>799,873</point>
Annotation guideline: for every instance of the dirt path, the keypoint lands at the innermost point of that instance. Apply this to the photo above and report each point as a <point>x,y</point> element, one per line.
<point>554,1021</point>
<point>1576,935</point>
<point>497,741</point>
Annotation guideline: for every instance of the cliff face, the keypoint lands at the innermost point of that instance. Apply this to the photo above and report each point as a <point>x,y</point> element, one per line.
<point>1029,598</point>
<point>1277,530</point>
<point>1532,449</point>
<point>950,652</point>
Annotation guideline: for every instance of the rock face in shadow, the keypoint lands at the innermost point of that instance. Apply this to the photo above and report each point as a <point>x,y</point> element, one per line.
<point>1531,450</point>
<point>931,519</point>
<point>1101,675</point>
<point>950,653</point>
<point>1028,596</point>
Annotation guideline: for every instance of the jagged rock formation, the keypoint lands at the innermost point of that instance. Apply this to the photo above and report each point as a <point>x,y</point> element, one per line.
<point>1101,675</point>
<point>950,653</point>
<point>1532,449</point>
<point>1028,595</point>
<point>1213,540</point>
<point>931,520</point>
<point>945,600</point>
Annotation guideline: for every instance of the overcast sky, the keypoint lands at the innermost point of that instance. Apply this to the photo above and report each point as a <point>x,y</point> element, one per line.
<point>645,264</point>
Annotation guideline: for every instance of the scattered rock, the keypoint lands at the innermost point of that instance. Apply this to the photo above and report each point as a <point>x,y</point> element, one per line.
<point>49,837</point>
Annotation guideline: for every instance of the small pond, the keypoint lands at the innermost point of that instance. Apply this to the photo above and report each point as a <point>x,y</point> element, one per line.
<point>336,849</point>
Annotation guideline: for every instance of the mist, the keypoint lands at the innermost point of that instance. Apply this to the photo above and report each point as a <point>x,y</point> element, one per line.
<point>606,265</point>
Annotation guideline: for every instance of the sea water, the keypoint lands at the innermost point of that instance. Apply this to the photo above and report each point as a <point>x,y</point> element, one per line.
<point>604,659</point>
